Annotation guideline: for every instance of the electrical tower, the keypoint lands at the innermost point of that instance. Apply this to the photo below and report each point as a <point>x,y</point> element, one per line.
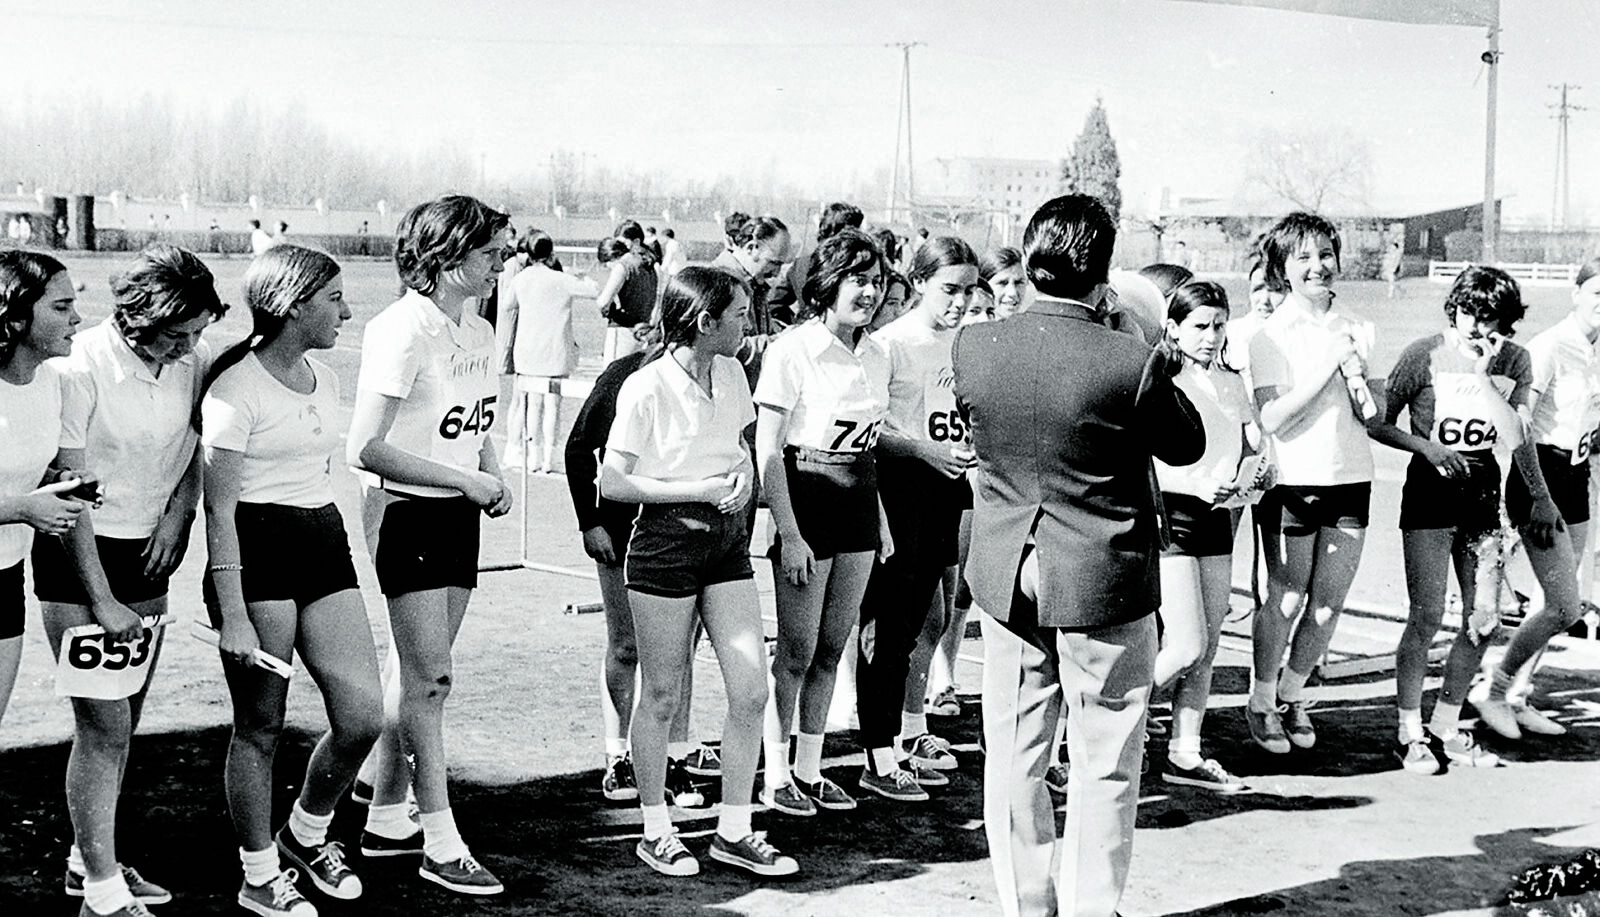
<point>1561,200</point>
<point>902,130</point>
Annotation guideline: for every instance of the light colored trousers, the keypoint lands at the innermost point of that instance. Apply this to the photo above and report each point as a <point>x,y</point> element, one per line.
<point>1103,676</point>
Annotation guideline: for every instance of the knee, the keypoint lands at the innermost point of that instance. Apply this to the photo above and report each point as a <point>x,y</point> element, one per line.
<point>430,685</point>
<point>258,735</point>
<point>748,702</point>
<point>623,656</point>
<point>360,726</point>
<point>825,654</point>
<point>792,659</point>
<point>659,699</point>
<point>102,730</point>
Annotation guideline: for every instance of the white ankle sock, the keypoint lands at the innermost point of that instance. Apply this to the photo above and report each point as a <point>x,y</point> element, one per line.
<point>308,830</point>
<point>1446,721</point>
<point>777,769</point>
<point>441,842</point>
<point>393,822</point>
<point>75,861</point>
<point>912,725</point>
<point>657,821</point>
<point>1410,725</point>
<point>1263,694</point>
<point>615,747</point>
<point>807,758</point>
<point>1290,684</point>
<point>677,751</point>
<point>107,896</point>
<point>883,760</point>
<point>260,866</point>
<point>734,822</point>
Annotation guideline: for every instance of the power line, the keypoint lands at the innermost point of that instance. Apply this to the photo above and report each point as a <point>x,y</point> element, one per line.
<point>1561,202</point>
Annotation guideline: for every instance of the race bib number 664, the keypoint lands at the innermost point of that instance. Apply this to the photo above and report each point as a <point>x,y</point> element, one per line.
<point>93,665</point>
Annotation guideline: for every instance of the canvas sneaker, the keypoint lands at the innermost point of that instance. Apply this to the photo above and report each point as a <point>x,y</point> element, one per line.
<point>1498,715</point>
<point>1266,728</point>
<point>681,789</point>
<point>1208,775</point>
<point>788,799</point>
<point>277,898</point>
<point>144,891</point>
<point>618,783</point>
<point>932,753</point>
<point>1419,757</point>
<point>323,864</point>
<point>1462,750</point>
<point>1296,719</point>
<point>376,845</point>
<point>899,784</point>
<point>1055,780</point>
<point>704,761</point>
<point>826,794</point>
<point>465,875</point>
<point>134,908</point>
<point>668,856</point>
<point>923,775</point>
<point>1536,721</point>
<point>945,703</point>
<point>753,854</point>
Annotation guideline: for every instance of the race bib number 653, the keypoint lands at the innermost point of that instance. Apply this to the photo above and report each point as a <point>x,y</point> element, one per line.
<point>94,665</point>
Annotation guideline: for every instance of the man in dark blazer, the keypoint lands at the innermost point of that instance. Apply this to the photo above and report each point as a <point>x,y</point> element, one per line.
<point>1066,414</point>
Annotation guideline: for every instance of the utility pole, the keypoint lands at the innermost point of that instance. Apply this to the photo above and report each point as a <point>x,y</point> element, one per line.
<point>1561,200</point>
<point>903,129</point>
<point>1491,209</point>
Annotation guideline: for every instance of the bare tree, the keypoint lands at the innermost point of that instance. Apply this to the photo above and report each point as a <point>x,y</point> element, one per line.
<point>1311,168</point>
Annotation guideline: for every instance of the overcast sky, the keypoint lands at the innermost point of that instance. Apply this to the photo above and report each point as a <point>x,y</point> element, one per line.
<point>807,89</point>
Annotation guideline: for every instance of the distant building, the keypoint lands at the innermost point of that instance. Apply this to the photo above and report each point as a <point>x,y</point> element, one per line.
<point>1007,190</point>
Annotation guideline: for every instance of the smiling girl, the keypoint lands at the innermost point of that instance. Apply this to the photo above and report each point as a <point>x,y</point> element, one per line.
<point>1309,370</point>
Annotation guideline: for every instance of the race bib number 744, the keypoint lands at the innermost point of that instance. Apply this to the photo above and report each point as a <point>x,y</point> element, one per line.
<point>93,665</point>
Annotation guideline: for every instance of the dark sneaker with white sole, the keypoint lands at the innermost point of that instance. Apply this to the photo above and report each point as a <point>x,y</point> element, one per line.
<point>1207,775</point>
<point>465,875</point>
<point>324,865</point>
<point>899,785</point>
<point>827,795</point>
<point>753,854</point>
<point>277,898</point>
<point>376,845</point>
<point>668,856</point>
<point>144,891</point>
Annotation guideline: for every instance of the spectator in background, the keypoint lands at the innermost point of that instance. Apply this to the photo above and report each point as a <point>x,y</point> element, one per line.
<point>673,257</point>
<point>762,245</point>
<point>1391,266</point>
<point>653,243</point>
<point>1181,256</point>
<point>730,229</point>
<point>628,296</point>
<point>835,216</point>
<point>536,322</point>
<point>259,240</point>
<point>890,243</point>
<point>282,234</point>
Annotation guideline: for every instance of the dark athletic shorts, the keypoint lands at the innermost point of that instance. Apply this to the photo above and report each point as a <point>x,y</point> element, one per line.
<point>678,549</point>
<point>1470,505</point>
<point>1568,483</point>
<point>289,554</point>
<point>1307,508</point>
<point>618,523</point>
<point>835,500</point>
<point>427,543</point>
<point>55,579</point>
<point>13,606</point>
<point>1198,528</point>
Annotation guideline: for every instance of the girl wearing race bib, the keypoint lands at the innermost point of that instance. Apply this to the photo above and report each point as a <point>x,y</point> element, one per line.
<point>1003,271</point>
<point>1549,501</point>
<point>279,574</point>
<point>425,402</point>
<point>37,320</point>
<point>822,396</point>
<point>1197,569</point>
<point>922,456</point>
<point>1309,370</point>
<point>1465,390</point>
<point>678,448</point>
<point>131,386</point>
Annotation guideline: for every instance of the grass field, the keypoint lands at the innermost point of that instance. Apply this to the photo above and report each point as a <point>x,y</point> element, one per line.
<point>1339,833</point>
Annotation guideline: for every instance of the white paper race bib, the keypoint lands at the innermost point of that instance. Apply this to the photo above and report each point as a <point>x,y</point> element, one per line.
<point>1462,419</point>
<point>93,665</point>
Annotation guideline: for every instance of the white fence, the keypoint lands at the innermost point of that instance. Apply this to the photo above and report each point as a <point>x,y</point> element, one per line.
<point>1534,273</point>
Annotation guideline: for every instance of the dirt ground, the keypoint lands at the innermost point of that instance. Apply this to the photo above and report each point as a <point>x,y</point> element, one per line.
<point>1335,832</point>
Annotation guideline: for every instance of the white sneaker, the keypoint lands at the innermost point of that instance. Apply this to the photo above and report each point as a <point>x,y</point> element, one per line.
<point>1536,721</point>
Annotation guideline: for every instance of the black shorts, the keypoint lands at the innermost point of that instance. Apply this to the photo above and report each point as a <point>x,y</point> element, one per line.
<point>1199,529</point>
<point>1267,512</point>
<point>678,549</point>
<point>923,508</point>
<point>55,579</point>
<point>13,604</point>
<point>617,520</point>
<point>289,554</point>
<point>1568,483</point>
<point>1470,505</point>
<point>835,500</point>
<point>427,543</point>
<point>1307,508</point>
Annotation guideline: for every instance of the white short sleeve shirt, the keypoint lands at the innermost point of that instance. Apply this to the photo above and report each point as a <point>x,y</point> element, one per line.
<point>134,426</point>
<point>1218,395</point>
<point>444,376</point>
<point>286,439</point>
<point>836,397</point>
<point>1328,445</point>
<point>1566,385</point>
<point>676,430</point>
<point>922,398</point>
<point>30,428</point>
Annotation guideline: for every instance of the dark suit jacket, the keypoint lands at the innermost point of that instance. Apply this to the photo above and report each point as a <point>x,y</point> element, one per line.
<point>1064,442</point>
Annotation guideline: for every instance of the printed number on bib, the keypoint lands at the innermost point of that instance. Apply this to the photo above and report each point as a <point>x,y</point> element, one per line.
<point>854,436</point>
<point>477,418</point>
<point>1476,433</point>
<point>94,665</point>
<point>947,426</point>
<point>1585,444</point>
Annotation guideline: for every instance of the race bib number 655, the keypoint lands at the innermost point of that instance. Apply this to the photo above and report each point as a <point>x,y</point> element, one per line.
<point>94,665</point>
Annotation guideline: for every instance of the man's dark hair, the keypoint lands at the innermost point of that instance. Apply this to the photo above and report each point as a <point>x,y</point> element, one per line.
<point>1067,246</point>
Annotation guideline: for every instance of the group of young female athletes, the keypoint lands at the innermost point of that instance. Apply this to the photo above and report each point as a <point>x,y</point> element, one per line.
<point>851,434</point>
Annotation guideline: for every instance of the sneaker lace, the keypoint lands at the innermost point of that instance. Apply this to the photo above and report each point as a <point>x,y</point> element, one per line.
<point>332,853</point>
<point>137,909</point>
<point>283,891</point>
<point>758,843</point>
<point>903,779</point>
<point>1215,771</point>
<point>668,846</point>
<point>709,756</point>
<point>931,742</point>
<point>469,864</point>
<point>131,876</point>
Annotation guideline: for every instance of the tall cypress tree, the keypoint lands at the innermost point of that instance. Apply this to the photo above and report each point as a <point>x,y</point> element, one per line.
<point>1094,167</point>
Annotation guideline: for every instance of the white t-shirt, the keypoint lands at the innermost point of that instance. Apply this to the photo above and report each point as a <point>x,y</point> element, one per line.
<point>1218,395</point>
<point>286,439</point>
<point>30,427</point>
<point>445,377</point>
<point>676,430</point>
<point>1566,386</point>
<point>133,426</point>
<point>835,397</point>
<point>544,345</point>
<point>922,398</point>
<point>1328,445</point>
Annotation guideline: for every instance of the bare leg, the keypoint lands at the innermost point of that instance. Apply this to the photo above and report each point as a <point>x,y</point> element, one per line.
<point>664,628</point>
<point>335,642</point>
<point>424,625</point>
<point>732,616</point>
<point>1193,688</point>
<point>841,608</point>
